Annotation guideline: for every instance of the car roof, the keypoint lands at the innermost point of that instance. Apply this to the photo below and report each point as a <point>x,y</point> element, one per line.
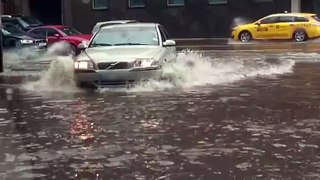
<point>6,16</point>
<point>293,14</point>
<point>132,25</point>
<point>116,22</point>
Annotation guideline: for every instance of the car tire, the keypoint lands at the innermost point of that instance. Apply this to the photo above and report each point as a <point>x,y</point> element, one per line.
<point>300,36</point>
<point>245,36</point>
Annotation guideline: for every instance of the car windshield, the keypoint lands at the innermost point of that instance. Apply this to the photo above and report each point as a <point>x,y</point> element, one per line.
<point>126,36</point>
<point>23,23</point>
<point>12,29</point>
<point>70,31</point>
<point>97,26</point>
<point>31,21</point>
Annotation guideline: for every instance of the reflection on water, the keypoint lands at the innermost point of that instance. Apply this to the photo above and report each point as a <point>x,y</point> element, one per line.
<point>263,127</point>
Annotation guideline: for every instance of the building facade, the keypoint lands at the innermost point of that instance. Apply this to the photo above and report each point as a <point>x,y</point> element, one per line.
<point>182,18</point>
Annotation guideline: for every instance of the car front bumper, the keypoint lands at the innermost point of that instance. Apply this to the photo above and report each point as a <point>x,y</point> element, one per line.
<point>34,47</point>
<point>119,77</point>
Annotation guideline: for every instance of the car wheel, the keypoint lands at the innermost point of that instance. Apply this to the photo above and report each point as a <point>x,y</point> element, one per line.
<point>245,36</point>
<point>300,36</point>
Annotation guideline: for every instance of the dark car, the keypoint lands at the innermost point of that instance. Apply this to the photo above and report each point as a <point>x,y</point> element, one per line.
<point>24,22</point>
<point>13,37</point>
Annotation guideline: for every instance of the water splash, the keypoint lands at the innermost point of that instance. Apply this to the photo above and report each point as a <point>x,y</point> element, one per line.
<point>59,77</point>
<point>191,69</point>
<point>239,21</point>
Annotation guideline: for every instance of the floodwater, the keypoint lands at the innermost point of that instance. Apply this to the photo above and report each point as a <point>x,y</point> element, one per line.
<point>222,115</point>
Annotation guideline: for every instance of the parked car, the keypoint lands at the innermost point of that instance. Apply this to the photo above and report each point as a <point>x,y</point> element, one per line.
<point>56,33</point>
<point>13,37</point>
<point>124,54</point>
<point>107,23</point>
<point>297,26</point>
<point>24,22</point>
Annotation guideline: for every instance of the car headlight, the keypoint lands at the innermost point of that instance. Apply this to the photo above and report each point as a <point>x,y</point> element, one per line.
<point>80,64</point>
<point>145,62</point>
<point>26,41</point>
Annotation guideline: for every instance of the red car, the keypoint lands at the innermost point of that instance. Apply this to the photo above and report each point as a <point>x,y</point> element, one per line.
<point>55,33</point>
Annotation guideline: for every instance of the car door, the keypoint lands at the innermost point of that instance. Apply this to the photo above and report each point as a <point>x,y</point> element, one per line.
<point>171,50</point>
<point>302,23</point>
<point>265,29</point>
<point>38,31</point>
<point>52,35</point>
<point>283,27</point>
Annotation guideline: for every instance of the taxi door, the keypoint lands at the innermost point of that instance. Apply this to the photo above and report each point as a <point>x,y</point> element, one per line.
<point>284,27</point>
<point>266,27</point>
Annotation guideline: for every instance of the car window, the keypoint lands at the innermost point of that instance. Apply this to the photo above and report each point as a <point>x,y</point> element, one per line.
<point>22,23</point>
<point>69,31</point>
<point>164,37</point>
<point>31,20</point>
<point>269,20</point>
<point>284,19</point>
<point>12,28</point>
<point>13,21</point>
<point>51,32</point>
<point>126,36</point>
<point>95,28</point>
<point>301,19</point>
<point>39,31</point>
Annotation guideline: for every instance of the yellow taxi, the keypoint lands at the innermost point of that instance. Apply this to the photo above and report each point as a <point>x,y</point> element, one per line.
<point>297,26</point>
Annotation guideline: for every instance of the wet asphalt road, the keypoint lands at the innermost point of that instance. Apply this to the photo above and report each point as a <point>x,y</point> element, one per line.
<point>258,117</point>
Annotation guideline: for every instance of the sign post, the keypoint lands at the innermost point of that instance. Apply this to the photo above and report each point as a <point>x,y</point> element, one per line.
<point>1,39</point>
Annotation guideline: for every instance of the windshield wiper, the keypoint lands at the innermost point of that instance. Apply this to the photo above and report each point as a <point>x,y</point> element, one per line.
<point>101,44</point>
<point>120,44</point>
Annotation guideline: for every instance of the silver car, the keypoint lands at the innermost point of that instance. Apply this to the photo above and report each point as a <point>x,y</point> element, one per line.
<point>124,54</point>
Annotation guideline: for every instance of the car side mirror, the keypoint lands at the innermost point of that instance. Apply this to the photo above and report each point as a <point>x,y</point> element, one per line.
<point>82,46</point>
<point>57,35</point>
<point>169,43</point>
<point>258,23</point>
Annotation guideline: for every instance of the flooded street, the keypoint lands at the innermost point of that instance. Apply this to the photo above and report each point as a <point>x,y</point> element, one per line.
<point>221,115</point>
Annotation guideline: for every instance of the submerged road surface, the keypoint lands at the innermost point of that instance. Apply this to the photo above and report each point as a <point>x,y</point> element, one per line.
<point>223,115</point>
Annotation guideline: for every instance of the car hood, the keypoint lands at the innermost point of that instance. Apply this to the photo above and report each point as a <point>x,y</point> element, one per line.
<point>81,37</point>
<point>244,25</point>
<point>122,53</point>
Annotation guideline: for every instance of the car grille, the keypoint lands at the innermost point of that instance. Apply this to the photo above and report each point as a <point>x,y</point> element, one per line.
<point>113,65</point>
<point>40,41</point>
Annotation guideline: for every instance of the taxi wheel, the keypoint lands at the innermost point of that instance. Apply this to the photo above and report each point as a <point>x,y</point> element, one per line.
<point>245,36</point>
<point>300,36</point>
